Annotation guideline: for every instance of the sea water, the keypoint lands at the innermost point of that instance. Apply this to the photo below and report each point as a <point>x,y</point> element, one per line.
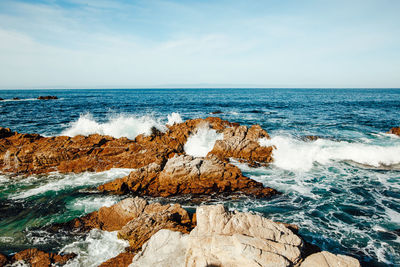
<point>342,189</point>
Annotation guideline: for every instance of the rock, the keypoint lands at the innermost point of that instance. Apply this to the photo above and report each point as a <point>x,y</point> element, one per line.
<point>327,259</point>
<point>216,112</point>
<point>34,154</point>
<point>6,132</point>
<point>222,238</point>
<point>395,130</point>
<point>35,257</point>
<point>122,260</point>
<point>48,97</point>
<point>185,174</point>
<point>242,143</point>
<point>3,260</point>
<point>16,98</point>
<point>1,99</point>
<point>311,138</point>
<point>135,219</point>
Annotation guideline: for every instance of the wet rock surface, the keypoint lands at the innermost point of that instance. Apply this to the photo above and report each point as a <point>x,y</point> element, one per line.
<point>36,258</point>
<point>47,97</point>
<point>395,130</point>
<point>185,174</point>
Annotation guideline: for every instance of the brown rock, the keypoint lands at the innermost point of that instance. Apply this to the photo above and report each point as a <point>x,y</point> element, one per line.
<point>188,175</point>
<point>35,257</point>
<point>33,154</point>
<point>241,143</point>
<point>395,130</point>
<point>3,260</point>
<point>48,97</point>
<point>122,260</point>
<point>5,132</point>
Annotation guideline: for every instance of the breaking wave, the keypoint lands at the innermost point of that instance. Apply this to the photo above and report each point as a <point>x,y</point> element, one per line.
<point>202,142</point>
<point>298,155</point>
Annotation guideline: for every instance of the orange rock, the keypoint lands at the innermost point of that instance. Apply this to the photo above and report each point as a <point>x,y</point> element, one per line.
<point>122,260</point>
<point>188,175</point>
<point>3,260</point>
<point>35,257</point>
<point>241,143</point>
<point>395,130</point>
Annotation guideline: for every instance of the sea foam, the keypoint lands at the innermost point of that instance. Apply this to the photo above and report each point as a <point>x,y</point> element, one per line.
<point>202,142</point>
<point>98,247</point>
<point>297,155</point>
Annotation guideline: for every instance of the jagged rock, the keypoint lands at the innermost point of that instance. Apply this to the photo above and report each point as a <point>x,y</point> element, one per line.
<point>37,258</point>
<point>188,175</point>
<point>222,238</point>
<point>395,130</point>
<point>34,154</point>
<point>327,259</point>
<point>242,143</point>
<point>6,132</point>
<point>122,260</point>
<point>135,219</point>
<point>48,97</point>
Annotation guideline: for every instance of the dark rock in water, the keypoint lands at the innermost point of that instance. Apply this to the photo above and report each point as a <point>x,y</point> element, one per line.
<point>216,112</point>
<point>395,130</point>
<point>36,258</point>
<point>16,98</point>
<point>311,137</point>
<point>48,97</point>
<point>1,98</point>
<point>5,132</point>
<point>255,111</point>
<point>397,232</point>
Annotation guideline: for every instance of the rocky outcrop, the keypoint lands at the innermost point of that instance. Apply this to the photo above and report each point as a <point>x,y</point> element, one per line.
<point>395,130</point>
<point>122,260</point>
<point>184,174</point>
<point>223,238</point>
<point>47,97</point>
<point>36,258</point>
<point>241,143</point>
<point>327,259</point>
<point>135,220</point>
<point>34,154</point>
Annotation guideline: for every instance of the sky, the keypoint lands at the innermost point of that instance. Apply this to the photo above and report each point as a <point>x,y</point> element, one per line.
<point>141,44</point>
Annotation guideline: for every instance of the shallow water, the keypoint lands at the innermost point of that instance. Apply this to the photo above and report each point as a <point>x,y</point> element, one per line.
<point>343,190</point>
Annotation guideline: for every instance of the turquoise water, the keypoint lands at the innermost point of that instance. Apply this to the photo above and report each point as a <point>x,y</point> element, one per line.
<point>343,190</point>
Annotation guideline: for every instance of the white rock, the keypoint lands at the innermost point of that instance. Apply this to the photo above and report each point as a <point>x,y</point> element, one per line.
<point>327,259</point>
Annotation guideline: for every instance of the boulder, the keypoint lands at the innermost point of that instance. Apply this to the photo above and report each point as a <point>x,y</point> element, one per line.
<point>6,132</point>
<point>395,130</point>
<point>241,143</point>
<point>223,238</point>
<point>122,260</point>
<point>185,174</point>
<point>327,259</point>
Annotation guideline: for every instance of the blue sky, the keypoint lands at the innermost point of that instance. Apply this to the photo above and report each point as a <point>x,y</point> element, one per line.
<point>128,44</point>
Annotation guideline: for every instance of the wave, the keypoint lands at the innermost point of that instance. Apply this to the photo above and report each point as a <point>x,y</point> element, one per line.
<point>297,155</point>
<point>57,182</point>
<point>19,100</point>
<point>98,247</point>
<point>174,118</point>
<point>202,142</point>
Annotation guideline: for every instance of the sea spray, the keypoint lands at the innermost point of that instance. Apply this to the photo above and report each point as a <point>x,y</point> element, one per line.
<point>174,118</point>
<point>96,248</point>
<point>298,155</point>
<point>202,142</point>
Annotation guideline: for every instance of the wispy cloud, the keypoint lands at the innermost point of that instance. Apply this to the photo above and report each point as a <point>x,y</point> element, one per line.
<point>85,43</point>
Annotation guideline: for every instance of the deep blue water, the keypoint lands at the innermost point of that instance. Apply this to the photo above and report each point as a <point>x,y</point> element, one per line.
<point>342,190</point>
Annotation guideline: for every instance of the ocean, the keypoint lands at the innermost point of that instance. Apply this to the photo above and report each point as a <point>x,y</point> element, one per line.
<point>342,190</point>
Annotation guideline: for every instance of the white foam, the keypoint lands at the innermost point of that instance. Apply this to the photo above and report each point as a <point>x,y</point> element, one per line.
<point>297,155</point>
<point>92,203</point>
<point>174,118</point>
<point>202,142</point>
<point>117,126</point>
<point>26,99</point>
<point>98,247</point>
<point>57,182</point>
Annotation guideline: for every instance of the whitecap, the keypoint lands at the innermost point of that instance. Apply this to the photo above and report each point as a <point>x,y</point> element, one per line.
<point>202,142</point>
<point>174,118</point>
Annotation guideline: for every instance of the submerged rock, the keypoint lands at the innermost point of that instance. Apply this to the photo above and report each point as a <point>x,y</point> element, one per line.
<point>184,174</point>
<point>223,238</point>
<point>48,97</point>
<point>395,130</point>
